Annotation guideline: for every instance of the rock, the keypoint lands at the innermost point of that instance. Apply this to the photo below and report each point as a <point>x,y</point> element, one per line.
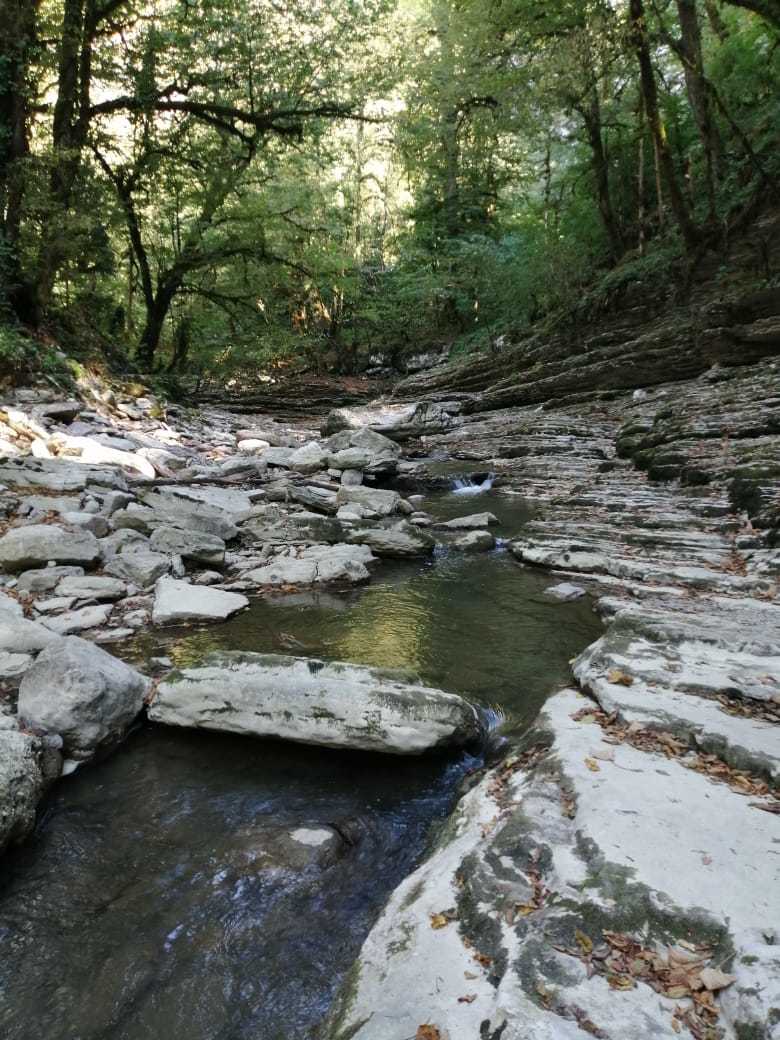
<point>363,449</point>
<point>92,587</point>
<point>475,541</point>
<point>20,636</point>
<point>24,547</point>
<point>181,601</point>
<point>60,411</point>
<point>58,475</point>
<point>636,847</point>
<point>351,477</point>
<point>565,591</point>
<point>380,502</point>
<point>13,666</point>
<point>92,453</point>
<point>192,545</point>
<point>309,458</point>
<point>320,499</point>
<point>396,421</point>
<point>21,785</point>
<point>9,605</point>
<point>141,568</point>
<point>316,564</point>
<point>176,508</point>
<point>281,457</point>
<point>475,521</point>
<point>122,541</point>
<point>82,693</point>
<point>402,541</point>
<point>314,702</point>
<point>98,525</point>
<point>253,445</point>
<point>78,620</point>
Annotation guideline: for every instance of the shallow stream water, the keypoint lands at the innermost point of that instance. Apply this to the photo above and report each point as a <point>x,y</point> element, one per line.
<point>156,899</point>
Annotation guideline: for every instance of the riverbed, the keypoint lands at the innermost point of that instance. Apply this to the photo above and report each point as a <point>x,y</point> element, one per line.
<point>158,896</point>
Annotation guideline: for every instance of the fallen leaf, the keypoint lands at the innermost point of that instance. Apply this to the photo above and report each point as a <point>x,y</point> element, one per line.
<point>468,999</point>
<point>584,942</point>
<point>593,765</point>
<point>676,992</point>
<point>524,909</point>
<point>621,981</point>
<point>470,975</point>
<point>619,677</point>
<point>427,1032</point>
<point>715,979</point>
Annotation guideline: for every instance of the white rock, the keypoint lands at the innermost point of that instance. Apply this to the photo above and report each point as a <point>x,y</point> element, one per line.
<point>314,702</point>
<point>182,601</point>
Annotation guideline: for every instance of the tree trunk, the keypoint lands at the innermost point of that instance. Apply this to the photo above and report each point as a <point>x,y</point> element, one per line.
<point>717,24</point>
<point>18,24</point>
<point>591,114</point>
<point>698,93</point>
<point>156,313</point>
<point>641,44</point>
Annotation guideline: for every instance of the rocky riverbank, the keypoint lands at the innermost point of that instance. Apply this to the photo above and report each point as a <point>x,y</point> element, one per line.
<point>617,872</point>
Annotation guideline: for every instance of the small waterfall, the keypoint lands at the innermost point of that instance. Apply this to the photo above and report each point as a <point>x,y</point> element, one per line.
<point>467,486</point>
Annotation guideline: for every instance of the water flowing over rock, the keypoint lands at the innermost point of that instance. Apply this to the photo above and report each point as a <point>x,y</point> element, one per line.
<point>314,702</point>
<point>81,693</point>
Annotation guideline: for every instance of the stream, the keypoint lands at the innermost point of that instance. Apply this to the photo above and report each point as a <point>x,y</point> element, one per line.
<point>162,896</point>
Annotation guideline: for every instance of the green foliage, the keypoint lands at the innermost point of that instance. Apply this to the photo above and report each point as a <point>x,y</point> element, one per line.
<point>23,359</point>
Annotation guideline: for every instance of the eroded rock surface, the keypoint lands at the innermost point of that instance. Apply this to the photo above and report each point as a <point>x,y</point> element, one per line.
<point>314,702</point>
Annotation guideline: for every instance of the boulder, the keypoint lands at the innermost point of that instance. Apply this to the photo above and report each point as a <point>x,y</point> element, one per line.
<point>316,564</point>
<point>176,600</point>
<point>122,541</point>
<point>77,690</point>
<point>309,458</point>
<point>396,421</point>
<point>21,784</point>
<point>475,541</point>
<point>184,508</point>
<point>85,521</point>
<point>402,541</point>
<point>141,568</point>
<point>191,545</point>
<point>314,702</point>
<point>363,449</point>
<point>380,502</point>
<point>320,499</point>
<point>20,636</point>
<point>24,547</point>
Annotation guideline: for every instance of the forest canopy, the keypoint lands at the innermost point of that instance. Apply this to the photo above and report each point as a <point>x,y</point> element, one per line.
<point>210,186</point>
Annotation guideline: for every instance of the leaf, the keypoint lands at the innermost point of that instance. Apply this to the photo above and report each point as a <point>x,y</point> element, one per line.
<point>621,981</point>
<point>676,992</point>
<point>619,677</point>
<point>427,1032</point>
<point>524,909</point>
<point>468,999</point>
<point>584,942</point>
<point>440,920</point>
<point>593,765</point>
<point>715,979</point>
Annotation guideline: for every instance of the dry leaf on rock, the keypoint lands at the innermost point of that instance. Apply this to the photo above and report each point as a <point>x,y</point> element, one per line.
<point>715,979</point>
<point>619,677</point>
<point>468,999</point>
<point>593,765</point>
<point>427,1032</point>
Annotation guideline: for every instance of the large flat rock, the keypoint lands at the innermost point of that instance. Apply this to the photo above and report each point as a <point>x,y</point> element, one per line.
<point>176,600</point>
<point>541,864</point>
<point>37,544</point>
<point>314,702</point>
